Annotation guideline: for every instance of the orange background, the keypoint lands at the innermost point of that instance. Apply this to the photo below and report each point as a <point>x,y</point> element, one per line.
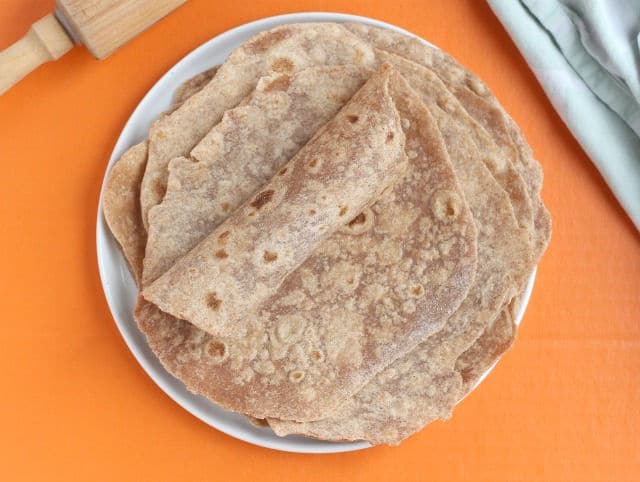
<point>563,405</point>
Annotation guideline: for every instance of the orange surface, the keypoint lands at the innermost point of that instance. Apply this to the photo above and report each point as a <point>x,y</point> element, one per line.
<point>563,405</point>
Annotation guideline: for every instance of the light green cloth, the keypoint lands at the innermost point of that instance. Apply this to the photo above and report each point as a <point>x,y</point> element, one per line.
<point>585,55</point>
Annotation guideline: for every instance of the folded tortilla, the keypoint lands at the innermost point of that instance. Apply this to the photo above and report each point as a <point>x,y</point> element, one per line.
<point>484,108</point>
<point>284,49</point>
<point>232,161</point>
<point>121,204</point>
<point>343,169</point>
<point>403,398</point>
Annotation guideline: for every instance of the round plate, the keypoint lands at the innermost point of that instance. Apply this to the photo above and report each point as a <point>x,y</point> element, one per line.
<point>119,287</point>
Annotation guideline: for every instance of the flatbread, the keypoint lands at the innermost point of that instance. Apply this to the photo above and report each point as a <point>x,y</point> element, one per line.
<point>232,162</point>
<point>219,284</point>
<point>456,124</point>
<point>478,101</point>
<point>283,49</point>
<point>439,385</point>
<point>485,109</point>
<point>401,400</point>
<point>337,75</point>
<point>499,335</point>
<point>192,86</point>
<point>313,345</point>
<point>496,339</point>
<point>121,205</point>
<point>445,387</point>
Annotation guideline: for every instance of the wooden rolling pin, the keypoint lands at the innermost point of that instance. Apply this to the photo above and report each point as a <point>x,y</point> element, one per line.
<point>101,25</point>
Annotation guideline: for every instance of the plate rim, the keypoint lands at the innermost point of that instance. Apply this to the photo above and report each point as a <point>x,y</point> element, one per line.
<point>292,444</point>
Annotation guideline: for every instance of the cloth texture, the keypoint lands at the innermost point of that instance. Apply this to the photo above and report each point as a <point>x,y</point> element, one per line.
<point>586,56</point>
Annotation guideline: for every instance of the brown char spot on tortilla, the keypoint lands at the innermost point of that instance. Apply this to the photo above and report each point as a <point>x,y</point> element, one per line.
<point>390,136</point>
<point>359,219</point>
<point>217,350</point>
<point>417,290</point>
<point>213,301</point>
<point>296,376</point>
<point>283,64</point>
<point>283,171</point>
<point>270,257</point>
<point>159,189</point>
<point>225,206</point>
<point>263,42</point>
<point>317,355</point>
<point>281,83</point>
<point>343,211</point>
<point>262,198</point>
<point>352,118</point>
<point>446,206</point>
<point>221,254</point>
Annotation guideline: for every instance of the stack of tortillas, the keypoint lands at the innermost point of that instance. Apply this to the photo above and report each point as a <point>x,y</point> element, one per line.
<point>331,231</point>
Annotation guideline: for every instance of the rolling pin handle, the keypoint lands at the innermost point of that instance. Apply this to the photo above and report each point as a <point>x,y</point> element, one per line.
<point>46,40</point>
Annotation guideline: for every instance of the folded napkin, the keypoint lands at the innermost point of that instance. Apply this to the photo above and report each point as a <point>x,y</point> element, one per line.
<point>585,54</point>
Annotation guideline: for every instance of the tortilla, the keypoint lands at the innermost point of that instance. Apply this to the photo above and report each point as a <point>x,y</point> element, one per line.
<point>121,206</point>
<point>192,86</point>
<point>496,339</point>
<point>485,109</point>
<point>401,400</point>
<point>232,161</point>
<point>343,169</point>
<point>283,49</point>
<point>477,99</point>
<point>431,378</point>
<point>355,305</point>
<point>471,92</point>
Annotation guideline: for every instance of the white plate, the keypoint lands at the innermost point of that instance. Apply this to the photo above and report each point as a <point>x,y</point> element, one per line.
<point>119,287</point>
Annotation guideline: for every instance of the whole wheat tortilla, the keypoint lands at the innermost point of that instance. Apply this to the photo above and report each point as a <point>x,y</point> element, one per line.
<point>496,339</point>
<point>493,157</point>
<point>431,387</point>
<point>219,284</point>
<point>482,105</point>
<point>478,101</point>
<point>472,356</point>
<point>403,398</point>
<point>356,304</point>
<point>232,162</point>
<point>472,363</point>
<point>283,49</point>
<point>191,86</point>
<point>121,205</point>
